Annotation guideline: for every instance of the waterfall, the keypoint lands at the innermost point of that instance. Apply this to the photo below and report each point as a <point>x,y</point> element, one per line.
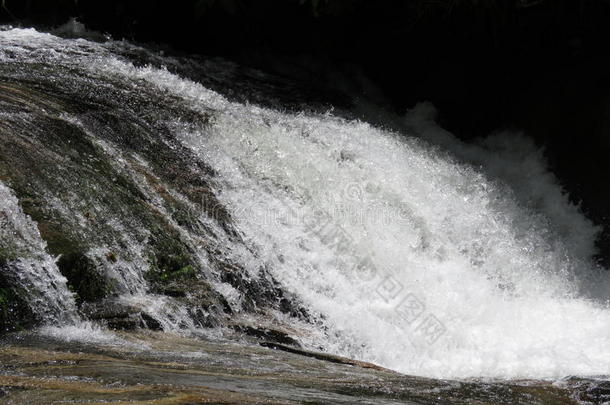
<point>408,248</point>
<point>412,257</point>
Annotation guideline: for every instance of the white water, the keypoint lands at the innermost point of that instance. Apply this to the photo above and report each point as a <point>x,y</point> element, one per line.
<point>429,256</point>
<point>42,285</point>
<point>466,279</point>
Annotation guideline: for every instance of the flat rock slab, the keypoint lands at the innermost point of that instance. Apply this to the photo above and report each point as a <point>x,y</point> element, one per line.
<point>158,368</point>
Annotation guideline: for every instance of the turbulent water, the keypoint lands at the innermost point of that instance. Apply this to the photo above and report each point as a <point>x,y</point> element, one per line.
<point>47,293</point>
<point>407,248</point>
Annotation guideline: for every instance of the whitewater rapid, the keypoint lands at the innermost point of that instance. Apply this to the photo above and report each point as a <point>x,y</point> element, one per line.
<point>413,259</point>
<point>410,249</point>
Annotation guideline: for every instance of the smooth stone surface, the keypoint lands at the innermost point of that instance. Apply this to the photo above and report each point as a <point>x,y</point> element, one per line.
<point>160,368</point>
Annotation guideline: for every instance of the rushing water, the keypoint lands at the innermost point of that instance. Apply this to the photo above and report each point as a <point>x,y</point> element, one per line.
<point>46,291</point>
<point>409,248</point>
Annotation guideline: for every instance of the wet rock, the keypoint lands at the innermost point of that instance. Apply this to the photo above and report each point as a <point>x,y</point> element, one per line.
<point>84,278</point>
<point>170,258</point>
<point>119,315</point>
<point>271,336</point>
<point>150,322</point>
<point>15,314</point>
<point>118,199</point>
<point>166,371</point>
<point>262,291</point>
<point>324,356</point>
<point>206,306</point>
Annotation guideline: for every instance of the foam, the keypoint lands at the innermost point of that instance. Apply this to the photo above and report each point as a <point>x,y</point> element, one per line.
<point>412,249</point>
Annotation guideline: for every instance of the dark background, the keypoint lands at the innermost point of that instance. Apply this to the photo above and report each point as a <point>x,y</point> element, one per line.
<point>542,66</point>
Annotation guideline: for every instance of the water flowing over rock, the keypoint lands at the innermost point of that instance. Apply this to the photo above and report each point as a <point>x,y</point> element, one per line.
<point>129,213</point>
<point>25,265</point>
<point>143,199</point>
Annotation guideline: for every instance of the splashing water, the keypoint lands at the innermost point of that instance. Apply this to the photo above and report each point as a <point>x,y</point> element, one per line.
<point>416,261</point>
<point>411,250</point>
<point>30,266</point>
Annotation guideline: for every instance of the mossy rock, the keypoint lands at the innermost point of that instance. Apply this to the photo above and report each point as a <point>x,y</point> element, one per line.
<point>115,181</point>
<point>170,257</point>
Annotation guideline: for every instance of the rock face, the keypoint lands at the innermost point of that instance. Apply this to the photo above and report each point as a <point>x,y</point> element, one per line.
<point>14,311</point>
<point>124,209</point>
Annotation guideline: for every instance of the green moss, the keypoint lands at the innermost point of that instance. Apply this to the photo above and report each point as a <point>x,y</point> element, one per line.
<point>187,272</point>
<point>170,258</point>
